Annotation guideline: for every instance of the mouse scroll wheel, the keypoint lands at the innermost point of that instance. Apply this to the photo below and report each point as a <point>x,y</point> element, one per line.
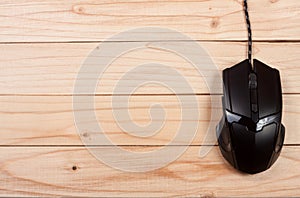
<point>252,81</point>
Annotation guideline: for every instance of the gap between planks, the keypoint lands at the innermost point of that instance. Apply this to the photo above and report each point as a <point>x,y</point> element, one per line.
<point>196,40</point>
<point>129,145</point>
<point>138,94</point>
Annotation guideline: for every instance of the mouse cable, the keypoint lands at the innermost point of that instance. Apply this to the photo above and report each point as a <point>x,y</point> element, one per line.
<point>249,32</point>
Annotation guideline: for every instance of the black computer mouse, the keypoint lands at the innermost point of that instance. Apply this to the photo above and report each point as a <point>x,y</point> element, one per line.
<point>250,133</point>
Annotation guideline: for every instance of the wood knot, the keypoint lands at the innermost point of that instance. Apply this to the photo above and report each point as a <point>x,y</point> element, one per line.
<point>78,9</point>
<point>215,22</point>
<point>85,134</point>
<point>274,1</point>
<point>74,168</point>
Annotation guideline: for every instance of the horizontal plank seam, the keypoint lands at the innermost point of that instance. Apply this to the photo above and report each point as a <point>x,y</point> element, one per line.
<point>152,94</point>
<point>214,145</point>
<point>103,41</point>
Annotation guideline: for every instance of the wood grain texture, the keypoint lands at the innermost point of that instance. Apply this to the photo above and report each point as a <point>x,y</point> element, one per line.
<point>49,120</point>
<point>49,172</point>
<point>56,20</point>
<point>53,68</point>
<point>43,44</point>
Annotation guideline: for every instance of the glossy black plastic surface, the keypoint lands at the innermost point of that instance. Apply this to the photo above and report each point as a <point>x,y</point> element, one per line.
<point>236,86</point>
<point>269,89</point>
<point>250,134</point>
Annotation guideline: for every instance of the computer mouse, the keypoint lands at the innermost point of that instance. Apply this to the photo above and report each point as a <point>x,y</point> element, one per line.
<point>250,133</point>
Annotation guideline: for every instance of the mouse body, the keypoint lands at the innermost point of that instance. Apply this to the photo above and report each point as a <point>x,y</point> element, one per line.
<point>250,133</point>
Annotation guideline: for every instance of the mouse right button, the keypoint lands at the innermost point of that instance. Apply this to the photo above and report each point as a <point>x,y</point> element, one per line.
<point>268,89</point>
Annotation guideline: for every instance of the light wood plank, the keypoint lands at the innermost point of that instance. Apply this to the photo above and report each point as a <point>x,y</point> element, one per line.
<point>49,120</point>
<point>56,20</point>
<point>48,172</point>
<point>52,68</point>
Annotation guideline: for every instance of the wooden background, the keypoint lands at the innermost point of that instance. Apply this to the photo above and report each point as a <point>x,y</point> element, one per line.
<point>42,46</point>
